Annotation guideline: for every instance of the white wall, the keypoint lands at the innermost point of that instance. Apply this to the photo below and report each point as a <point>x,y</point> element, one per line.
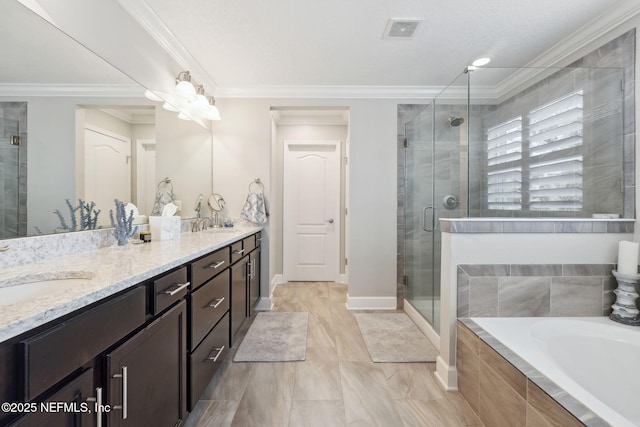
<point>243,151</point>
<point>183,153</point>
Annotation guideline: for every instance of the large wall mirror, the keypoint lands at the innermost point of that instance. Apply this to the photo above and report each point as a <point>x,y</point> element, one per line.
<point>74,127</point>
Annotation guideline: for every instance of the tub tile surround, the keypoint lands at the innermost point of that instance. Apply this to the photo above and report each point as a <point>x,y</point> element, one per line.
<point>113,268</point>
<point>535,290</point>
<point>543,225</point>
<point>504,390</point>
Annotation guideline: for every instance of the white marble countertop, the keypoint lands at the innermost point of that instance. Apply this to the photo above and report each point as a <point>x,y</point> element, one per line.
<point>111,270</point>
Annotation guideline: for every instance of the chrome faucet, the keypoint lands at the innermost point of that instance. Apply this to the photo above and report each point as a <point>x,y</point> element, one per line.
<point>200,224</point>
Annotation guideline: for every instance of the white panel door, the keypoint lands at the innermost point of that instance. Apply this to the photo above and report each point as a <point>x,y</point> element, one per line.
<point>107,171</point>
<point>311,211</point>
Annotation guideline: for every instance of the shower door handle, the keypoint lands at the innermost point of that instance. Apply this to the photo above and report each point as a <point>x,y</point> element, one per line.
<point>424,218</point>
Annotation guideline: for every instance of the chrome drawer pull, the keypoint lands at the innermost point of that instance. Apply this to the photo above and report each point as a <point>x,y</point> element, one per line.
<point>215,358</point>
<point>259,239</point>
<point>98,405</point>
<point>240,252</point>
<point>176,290</point>
<point>218,301</point>
<point>216,265</point>
<point>123,375</point>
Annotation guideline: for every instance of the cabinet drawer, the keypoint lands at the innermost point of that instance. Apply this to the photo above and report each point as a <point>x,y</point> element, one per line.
<point>237,251</point>
<point>169,289</point>
<point>74,394</point>
<point>207,358</point>
<point>208,304</point>
<point>207,267</point>
<point>249,243</point>
<point>53,354</point>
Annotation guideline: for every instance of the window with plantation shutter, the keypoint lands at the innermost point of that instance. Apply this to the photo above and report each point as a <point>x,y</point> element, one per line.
<point>555,155</point>
<point>543,171</point>
<point>504,172</point>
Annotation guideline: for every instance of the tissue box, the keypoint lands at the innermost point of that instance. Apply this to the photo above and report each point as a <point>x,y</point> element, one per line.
<point>164,227</point>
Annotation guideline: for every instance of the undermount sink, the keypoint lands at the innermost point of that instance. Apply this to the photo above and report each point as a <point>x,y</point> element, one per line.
<point>28,288</point>
<point>221,230</point>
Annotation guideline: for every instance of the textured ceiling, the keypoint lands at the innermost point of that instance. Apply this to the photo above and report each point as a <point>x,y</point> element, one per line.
<point>244,43</point>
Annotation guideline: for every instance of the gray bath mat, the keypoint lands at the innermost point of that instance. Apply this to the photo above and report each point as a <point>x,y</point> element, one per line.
<point>393,337</point>
<point>275,337</point>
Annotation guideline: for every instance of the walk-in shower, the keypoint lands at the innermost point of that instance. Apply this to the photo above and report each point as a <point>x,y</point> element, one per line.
<point>13,169</point>
<point>523,143</point>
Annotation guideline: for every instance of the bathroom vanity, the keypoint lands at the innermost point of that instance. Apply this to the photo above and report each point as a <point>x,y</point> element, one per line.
<point>149,335</point>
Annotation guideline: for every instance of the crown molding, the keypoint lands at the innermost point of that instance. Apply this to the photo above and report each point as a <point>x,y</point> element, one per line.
<point>160,32</point>
<point>330,92</point>
<point>560,55</point>
<point>75,90</point>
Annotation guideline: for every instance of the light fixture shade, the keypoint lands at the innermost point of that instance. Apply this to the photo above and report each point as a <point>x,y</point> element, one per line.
<point>212,113</point>
<point>184,87</point>
<point>183,116</point>
<point>169,107</point>
<point>481,61</point>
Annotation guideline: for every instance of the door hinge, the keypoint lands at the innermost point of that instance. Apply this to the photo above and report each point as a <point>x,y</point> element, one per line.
<point>405,280</point>
<point>346,160</point>
<point>15,140</point>
<point>406,143</point>
<point>346,261</point>
<point>346,211</point>
<point>621,85</point>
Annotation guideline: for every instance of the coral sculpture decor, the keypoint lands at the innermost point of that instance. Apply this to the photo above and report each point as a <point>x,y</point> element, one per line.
<point>123,228</point>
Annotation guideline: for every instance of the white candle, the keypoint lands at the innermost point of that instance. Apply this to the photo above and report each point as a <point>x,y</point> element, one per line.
<point>628,257</point>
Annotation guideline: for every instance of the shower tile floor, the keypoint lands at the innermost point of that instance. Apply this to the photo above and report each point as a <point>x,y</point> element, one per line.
<point>337,384</point>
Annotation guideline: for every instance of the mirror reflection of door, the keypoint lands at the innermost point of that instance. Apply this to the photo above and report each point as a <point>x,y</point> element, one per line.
<point>107,170</point>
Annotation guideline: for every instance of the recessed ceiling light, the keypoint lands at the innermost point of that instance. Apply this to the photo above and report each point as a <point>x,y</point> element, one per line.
<point>481,61</point>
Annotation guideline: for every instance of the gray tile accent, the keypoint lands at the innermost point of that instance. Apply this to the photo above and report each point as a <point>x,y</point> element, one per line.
<point>524,296</point>
<point>576,296</point>
<point>536,270</point>
<point>535,290</point>
<point>483,296</point>
<point>582,225</point>
<point>483,270</point>
<point>587,269</point>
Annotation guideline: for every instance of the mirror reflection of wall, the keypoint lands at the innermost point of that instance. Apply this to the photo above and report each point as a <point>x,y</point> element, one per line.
<point>66,89</point>
<point>115,149</point>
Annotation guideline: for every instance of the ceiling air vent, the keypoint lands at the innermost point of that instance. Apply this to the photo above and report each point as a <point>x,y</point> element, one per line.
<point>401,28</point>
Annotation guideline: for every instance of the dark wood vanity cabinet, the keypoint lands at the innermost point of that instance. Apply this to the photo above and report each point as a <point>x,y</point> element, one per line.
<point>144,355</point>
<point>147,374</point>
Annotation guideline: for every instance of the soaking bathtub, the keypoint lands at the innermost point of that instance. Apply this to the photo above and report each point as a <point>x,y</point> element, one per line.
<point>595,360</point>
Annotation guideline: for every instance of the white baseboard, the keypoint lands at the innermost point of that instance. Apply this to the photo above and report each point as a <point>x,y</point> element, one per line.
<point>371,303</point>
<point>277,279</point>
<point>264,304</point>
<point>446,375</point>
<point>422,324</point>
<point>342,278</point>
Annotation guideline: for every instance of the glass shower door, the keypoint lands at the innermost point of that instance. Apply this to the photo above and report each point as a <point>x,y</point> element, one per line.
<point>419,217</point>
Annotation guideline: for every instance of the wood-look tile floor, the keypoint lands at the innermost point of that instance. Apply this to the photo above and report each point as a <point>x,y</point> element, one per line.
<point>337,385</point>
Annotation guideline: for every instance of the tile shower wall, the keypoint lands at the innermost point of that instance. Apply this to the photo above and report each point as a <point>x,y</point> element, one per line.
<point>606,116</point>
<point>535,290</point>
<point>13,170</point>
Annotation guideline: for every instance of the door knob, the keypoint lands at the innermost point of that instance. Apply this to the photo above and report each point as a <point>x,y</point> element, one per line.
<point>330,221</point>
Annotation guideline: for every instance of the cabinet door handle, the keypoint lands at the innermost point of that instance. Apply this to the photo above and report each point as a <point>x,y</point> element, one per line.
<point>253,269</point>
<point>249,269</point>
<point>240,252</point>
<point>214,358</point>
<point>123,375</point>
<point>216,265</point>
<point>97,406</point>
<point>215,304</point>
<point>177,289</point>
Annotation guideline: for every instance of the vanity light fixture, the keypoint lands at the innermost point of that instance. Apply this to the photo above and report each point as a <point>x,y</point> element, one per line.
<point>189,100</point>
